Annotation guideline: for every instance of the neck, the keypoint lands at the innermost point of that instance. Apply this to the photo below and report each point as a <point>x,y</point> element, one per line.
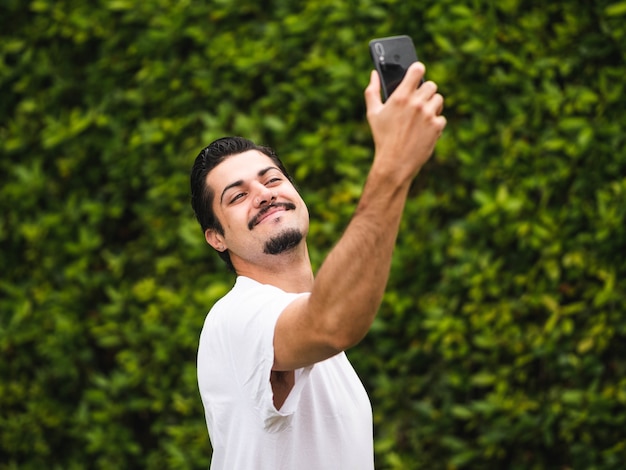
<point>290,271</point>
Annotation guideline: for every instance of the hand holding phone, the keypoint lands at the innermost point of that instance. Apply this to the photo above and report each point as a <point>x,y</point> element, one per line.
<point>405,130</point>
<point>392,56</point>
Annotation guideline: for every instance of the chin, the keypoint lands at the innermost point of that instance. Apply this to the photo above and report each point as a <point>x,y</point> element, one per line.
<point>285,241</point>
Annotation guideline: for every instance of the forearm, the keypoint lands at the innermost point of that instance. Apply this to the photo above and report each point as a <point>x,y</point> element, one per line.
<point>350,284</point>
<point>349,287</point>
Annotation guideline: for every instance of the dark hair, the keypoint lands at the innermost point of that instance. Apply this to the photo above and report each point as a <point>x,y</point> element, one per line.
<point>202,196</point>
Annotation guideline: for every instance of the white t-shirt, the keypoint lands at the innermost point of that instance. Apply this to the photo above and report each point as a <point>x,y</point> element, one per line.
<point>326,421</point>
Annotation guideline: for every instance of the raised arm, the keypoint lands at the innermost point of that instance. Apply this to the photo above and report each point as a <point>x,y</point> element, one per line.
<point>349,286</point>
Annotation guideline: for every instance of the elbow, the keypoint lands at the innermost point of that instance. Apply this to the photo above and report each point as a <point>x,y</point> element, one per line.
<point>342,339</point>
<point>339,329</point>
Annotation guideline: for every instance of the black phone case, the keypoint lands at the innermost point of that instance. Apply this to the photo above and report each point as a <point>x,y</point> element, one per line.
<point>392,56</point>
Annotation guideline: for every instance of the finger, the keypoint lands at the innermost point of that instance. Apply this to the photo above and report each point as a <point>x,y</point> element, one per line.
<point>427,90</point>
<point>412,78</point>
<point>441,123</point>
<point>440,105</point>
<point>435,103</point>
<point>372,92</point>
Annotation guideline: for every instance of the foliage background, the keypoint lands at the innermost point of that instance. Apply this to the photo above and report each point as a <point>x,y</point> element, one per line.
<point>501,342</point>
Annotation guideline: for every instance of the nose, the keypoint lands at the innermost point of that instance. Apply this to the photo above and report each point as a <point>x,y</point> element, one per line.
<point>264,196</point>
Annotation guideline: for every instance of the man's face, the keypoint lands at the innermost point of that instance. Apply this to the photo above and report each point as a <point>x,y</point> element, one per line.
<point>259,209</point>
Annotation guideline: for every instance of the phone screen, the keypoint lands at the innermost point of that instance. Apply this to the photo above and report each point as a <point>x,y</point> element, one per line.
<point>392,56</point>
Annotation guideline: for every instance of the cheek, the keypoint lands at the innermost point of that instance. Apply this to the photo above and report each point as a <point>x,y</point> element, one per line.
<point>303,216</point>
<point>235,220</point>
<point>303,206</point>
<point>305,213</point>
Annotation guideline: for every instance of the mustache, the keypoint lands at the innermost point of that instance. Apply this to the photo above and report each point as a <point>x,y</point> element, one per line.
<point>288,206</point>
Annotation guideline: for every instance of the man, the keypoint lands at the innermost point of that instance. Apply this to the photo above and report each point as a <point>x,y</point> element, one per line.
<point>277,388</point>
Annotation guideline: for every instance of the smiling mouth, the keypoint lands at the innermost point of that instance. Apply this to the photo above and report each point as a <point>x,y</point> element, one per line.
<point>287,206</point>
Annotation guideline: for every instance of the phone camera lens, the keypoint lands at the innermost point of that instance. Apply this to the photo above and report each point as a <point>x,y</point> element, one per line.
<point>380,50</point>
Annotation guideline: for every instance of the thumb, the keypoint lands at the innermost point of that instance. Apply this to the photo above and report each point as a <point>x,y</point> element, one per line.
<point>372,93</point>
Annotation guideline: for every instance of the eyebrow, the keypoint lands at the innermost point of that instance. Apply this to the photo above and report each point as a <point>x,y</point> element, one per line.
<point>240,182</point>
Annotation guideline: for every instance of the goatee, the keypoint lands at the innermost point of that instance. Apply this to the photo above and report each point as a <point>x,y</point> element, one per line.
<point>285,241</point>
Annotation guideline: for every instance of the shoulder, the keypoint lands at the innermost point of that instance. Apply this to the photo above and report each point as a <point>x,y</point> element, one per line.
<point>248,291</point>
<point>250,301</point>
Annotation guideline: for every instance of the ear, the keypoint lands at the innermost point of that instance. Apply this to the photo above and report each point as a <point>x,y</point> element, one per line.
<point>214,239</point>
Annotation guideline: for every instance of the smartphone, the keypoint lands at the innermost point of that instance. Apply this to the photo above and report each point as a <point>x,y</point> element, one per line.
<point>392,56</point>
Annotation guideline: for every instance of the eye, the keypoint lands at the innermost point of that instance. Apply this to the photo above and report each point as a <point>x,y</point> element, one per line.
<point>236,197</point>
<point>273,180</point>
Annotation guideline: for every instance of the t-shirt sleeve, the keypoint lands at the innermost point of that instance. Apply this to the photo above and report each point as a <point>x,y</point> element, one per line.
<point>251,335</point>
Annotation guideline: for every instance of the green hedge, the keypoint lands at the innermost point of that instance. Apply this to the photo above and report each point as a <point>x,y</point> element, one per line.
<point>501,342</point>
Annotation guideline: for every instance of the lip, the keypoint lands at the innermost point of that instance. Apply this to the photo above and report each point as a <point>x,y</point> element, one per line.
<point>268,212</point>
